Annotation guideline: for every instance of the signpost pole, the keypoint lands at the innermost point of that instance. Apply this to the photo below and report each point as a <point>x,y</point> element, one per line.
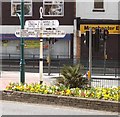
<point>41,50</point>
<point>41,61</point>
<point>40,26</point>
<point>22,61</point>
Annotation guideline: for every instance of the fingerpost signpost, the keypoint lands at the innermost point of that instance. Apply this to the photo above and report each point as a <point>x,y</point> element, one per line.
<point>41,29</point>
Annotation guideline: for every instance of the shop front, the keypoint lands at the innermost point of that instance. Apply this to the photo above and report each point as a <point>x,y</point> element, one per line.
<point>58,46</point>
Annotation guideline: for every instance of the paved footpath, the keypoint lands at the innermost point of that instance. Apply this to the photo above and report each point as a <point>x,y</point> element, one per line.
<point>14,76</point>
<point>7,76</point>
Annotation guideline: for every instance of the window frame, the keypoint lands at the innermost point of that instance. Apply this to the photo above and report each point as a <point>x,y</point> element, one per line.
<point>53,3</point>
<point>18,2</point>
<point>98,8</point>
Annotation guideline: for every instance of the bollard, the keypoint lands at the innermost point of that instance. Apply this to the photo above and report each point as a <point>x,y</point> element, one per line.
<point>88,76</point>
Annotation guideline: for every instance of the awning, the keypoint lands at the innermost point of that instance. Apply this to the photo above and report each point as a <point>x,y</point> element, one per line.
<point>13,37</point>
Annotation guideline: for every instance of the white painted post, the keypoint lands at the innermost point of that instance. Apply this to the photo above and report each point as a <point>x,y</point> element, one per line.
<point>41,61</point>
<point>41,51</point>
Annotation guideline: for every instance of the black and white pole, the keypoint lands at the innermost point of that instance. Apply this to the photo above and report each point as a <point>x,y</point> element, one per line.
<point>41,50</point>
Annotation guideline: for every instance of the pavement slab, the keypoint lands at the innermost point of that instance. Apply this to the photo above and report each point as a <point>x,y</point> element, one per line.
<point>8,77</point>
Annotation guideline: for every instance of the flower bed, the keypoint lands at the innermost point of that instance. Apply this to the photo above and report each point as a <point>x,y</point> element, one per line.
<point>112,94</point>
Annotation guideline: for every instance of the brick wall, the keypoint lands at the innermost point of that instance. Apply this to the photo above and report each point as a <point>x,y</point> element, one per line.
<point>61,100</point>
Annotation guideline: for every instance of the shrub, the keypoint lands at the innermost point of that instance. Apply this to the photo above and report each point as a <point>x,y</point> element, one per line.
<point>71,76</point>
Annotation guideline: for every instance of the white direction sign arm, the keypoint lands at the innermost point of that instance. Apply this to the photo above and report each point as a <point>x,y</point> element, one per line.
<point>37,33</point>
<point>37,24</point>
<point>26,33</point>
<point>53,34</point>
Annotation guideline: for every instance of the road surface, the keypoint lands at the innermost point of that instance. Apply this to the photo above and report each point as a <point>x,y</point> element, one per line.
<point>18,108</point>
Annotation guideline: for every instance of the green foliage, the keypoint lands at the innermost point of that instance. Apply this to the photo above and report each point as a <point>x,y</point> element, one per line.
<point>71,76</point>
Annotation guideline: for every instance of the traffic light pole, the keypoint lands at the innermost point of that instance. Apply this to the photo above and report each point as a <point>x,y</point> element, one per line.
<point>105,57</point>
<point>22,61</point>
<point>90,56</point>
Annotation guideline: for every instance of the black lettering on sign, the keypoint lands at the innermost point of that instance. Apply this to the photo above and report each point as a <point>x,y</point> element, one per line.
<point>117,27</point>
<point>86,27</point>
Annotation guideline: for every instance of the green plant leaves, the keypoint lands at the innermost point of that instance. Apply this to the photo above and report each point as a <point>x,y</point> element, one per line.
<point>72,77</point>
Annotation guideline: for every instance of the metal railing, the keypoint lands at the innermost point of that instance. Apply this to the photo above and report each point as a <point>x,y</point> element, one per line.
<point>105,82</point>
<point>11,62</point>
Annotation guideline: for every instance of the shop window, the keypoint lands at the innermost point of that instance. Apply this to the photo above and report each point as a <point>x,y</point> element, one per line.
<point>4,42</point>
<point>15,7</point>
<point>53,7</point>
<point>98,6</point>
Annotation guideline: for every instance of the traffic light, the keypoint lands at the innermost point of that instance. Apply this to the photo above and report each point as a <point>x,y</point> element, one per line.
<point>86,41</point>
<point>105,34</point>
<point>97,39</point>
<point>54,40</point>
<point>100,37</point>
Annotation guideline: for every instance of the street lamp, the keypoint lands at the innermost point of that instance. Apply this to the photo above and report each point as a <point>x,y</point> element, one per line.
<point>22,60</point>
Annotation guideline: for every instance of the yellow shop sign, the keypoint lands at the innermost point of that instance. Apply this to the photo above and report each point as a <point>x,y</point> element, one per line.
<point>113,29</point>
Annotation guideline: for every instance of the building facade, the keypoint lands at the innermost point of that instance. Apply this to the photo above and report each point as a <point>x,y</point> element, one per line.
<point>72,15</point>
<point>93,14</point>
<point>52,10</point>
